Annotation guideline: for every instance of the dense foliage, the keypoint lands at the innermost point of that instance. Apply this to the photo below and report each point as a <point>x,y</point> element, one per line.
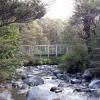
<point>8,48</point>
<point>75,60</point>
<point>12,12</point>
<point>80,34</point>
<point>82,29</point>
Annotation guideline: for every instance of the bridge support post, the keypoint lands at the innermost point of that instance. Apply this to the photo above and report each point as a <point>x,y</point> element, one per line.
<point>48,51</point>
<point>67,49</point>
<point>56,50</point>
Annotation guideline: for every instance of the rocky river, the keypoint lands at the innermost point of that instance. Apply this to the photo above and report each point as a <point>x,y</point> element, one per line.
<point>47,82</point>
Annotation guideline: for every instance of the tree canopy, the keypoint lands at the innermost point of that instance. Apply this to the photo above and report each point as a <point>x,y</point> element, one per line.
<point>12,11</point>
<point>85,18</point>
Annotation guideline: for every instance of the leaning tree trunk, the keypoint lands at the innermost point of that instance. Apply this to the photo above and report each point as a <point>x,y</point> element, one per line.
<point>88,21</point>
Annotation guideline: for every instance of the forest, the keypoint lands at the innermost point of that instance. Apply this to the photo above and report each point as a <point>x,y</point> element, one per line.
<point>24,75</point>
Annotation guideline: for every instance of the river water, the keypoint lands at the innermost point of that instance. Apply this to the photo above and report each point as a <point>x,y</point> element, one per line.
<point>42,92</point>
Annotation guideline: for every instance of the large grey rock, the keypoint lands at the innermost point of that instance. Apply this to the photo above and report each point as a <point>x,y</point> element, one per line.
<point>56,89</point>
<point>66,77</point>
<point>55,72</point>
<point>34,81</point>
<point>17,84</point>
<point>95,84</point>
<point>23,90</point>
<point>87,75</point>
<point>83,90</point>
<point>60,76</point>
<point>54,77</point>
<point>76,81</point>
<point>40,93</point>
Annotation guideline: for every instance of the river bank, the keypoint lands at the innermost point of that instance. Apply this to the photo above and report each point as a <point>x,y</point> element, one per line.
<point>47,82</point>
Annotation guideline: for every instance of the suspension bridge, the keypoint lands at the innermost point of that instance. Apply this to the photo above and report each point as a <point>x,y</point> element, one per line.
<point>44,50</point>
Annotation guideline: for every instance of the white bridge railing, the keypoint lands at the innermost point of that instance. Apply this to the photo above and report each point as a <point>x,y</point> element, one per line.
<point>44,50</point>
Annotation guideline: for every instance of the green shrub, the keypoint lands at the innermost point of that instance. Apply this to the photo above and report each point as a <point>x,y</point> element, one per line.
<point>9,58</point>
<point>75,60</point>
<point>42,61</point>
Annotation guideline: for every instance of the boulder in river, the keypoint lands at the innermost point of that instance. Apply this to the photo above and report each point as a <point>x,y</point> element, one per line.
<point>60,76</point>
<point>56,89</point>
<point>54,77</point>
<point>95,84</point>
<point>76,81</point>
<point>83,90</point>
<point>40,93</point>
<point>17,84</point>
<point>66,77</point>
<point>55,72</point>
<point>87,75</point>
<point>60,85</point>
<point>34,81</point>
<point>90,73</point>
